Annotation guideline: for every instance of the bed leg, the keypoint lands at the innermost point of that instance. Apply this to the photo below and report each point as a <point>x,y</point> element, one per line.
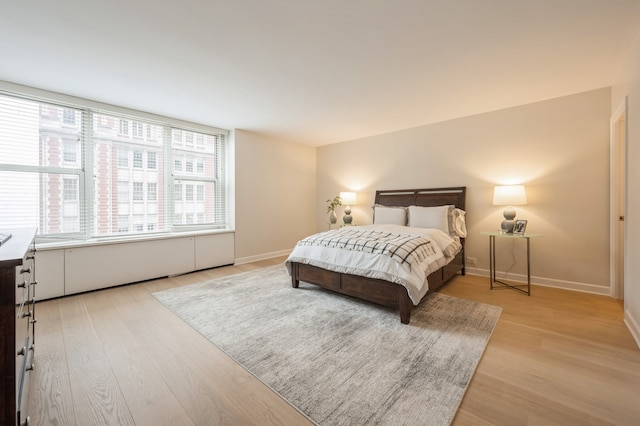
<point>404,304</point>
<point>295,282</point>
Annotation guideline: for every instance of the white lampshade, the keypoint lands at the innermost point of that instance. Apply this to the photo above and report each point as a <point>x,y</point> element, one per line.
<point>509,195</point>
<point>348,198</point>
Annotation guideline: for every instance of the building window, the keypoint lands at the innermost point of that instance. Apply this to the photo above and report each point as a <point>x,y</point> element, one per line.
<point>69,117</point>
<point>136,129</point>
<point>177,195</point>
<point>138,191</point>
<point>123,157</point>
<point>46,181</point>
<point>137,159</point>
<point>70,151</point>
<point>124,127</point>
<point>152,192</point>
<point>150,132</point>
<point>151,160</point>
<point>70,189</point>
<point>123,192</point>
<point>123,224</point>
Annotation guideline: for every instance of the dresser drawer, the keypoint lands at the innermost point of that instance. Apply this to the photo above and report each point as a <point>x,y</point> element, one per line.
<point>24,366</point>
<point>17,316</point>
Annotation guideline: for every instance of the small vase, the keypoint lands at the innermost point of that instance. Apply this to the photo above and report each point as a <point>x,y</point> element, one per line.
<point>333,218</point>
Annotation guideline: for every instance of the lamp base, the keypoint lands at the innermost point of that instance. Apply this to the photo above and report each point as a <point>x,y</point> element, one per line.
<point>508,223</point>
<point>506,227</point>
<point>347,219</point>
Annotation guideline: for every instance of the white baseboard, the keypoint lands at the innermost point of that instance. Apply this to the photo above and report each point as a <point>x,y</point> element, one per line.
<point>633,325</point>
<point>546,282</point>
<point>264,256</point>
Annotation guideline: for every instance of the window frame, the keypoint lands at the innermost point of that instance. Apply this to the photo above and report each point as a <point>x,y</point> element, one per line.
<point>163,163</point>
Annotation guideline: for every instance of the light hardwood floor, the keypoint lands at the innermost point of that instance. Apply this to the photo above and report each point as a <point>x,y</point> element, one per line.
<point>119,357</point>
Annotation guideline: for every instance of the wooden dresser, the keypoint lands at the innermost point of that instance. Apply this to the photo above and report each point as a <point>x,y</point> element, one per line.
<point>17,323</point>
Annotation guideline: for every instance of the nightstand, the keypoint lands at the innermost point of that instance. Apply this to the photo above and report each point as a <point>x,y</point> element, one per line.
<point>492,260</point>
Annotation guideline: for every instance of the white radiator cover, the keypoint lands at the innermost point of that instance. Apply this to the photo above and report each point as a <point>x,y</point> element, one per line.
<point>97,266</point>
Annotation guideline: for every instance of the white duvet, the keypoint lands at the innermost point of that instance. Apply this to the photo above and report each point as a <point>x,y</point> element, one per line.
<point>381,266</point>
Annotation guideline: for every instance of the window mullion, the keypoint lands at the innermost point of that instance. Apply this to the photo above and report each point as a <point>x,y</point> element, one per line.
<point>88,181</point>
<point>168,178</point>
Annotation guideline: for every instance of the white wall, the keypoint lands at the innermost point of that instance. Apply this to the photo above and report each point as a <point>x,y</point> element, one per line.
<point>628,84</point>
<point>275,195</point>
<point>558,148</point>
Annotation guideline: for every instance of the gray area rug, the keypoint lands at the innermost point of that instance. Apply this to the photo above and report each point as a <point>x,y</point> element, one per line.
<point>338,360</point>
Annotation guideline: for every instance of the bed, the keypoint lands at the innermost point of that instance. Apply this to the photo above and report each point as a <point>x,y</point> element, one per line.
<point>421,206</point>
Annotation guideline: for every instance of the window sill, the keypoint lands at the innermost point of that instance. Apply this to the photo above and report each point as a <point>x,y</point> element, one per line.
<point>44,245</point>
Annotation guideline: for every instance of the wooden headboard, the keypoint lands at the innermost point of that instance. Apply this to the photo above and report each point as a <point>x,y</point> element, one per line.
<point>427,197</point>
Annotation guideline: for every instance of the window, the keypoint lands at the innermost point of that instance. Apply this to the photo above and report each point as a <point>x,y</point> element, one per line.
<point>208,154</point>
<point>124,127</point>
<point>151,160</point>
<point>136,129</point>
<point>69,117</point>
<point>177,195</point>
<point>66,170</point>
<point>70,189</point>
<point>123,157</point>
<point>137,159</point>
<point>123,192</point>
<point>70,151</point>
<point>123,224</point>
<point>152,192</point>
<point>151,132</point>
<point>138,191</point>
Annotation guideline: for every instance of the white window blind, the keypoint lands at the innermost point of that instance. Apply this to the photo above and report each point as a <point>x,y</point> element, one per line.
<point>76,172</point>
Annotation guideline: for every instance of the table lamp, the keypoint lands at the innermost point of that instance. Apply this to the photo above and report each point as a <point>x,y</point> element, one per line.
<point>349,199</point>
<point>509,195</point>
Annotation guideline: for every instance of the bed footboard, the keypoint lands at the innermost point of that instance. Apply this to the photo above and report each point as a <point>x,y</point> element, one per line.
<point>374,290</point>
<point>370,289</point>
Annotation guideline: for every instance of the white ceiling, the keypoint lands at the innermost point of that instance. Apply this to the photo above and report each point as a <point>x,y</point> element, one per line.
<point>316,71</point>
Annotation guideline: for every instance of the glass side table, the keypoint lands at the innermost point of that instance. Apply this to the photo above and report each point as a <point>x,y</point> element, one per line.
<point>493,282</point>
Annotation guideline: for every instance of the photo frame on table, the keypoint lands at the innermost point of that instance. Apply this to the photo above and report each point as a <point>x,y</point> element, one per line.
<point>519,227</point>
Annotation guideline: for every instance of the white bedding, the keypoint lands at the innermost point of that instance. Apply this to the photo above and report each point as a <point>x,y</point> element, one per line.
<point>381,266</point>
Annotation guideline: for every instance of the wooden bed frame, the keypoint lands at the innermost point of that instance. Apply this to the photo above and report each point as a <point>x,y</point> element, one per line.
<point>380,291</point>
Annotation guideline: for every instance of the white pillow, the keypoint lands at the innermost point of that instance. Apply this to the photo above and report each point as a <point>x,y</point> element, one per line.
<point>458,223</point>
<point>430,217</point>
<point>383,215</point>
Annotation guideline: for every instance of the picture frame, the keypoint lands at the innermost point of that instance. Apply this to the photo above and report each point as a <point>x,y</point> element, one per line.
<point>519,227</point>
